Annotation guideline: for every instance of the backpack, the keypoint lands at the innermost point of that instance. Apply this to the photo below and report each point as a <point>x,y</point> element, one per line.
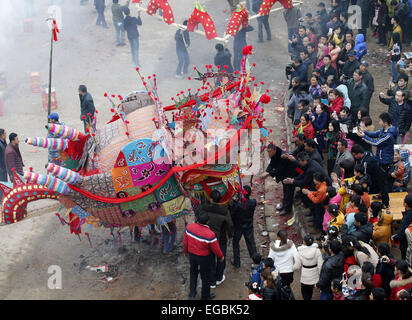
<point>284,290</point>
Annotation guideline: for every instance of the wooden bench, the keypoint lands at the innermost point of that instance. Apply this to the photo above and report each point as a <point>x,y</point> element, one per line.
<point>396,204</point>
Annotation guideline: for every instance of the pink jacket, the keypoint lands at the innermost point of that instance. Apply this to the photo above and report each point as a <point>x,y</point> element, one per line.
<point>326,217</point>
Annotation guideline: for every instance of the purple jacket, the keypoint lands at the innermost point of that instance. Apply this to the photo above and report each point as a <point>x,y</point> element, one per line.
<point>13,160</point>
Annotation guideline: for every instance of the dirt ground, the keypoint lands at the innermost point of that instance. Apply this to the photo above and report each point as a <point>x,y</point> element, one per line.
<point>86,54</point>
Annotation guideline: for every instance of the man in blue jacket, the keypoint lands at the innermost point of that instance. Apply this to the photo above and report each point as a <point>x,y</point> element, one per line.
<point>384,140</point>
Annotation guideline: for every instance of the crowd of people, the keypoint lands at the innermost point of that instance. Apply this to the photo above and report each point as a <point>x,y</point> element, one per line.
<point>333,165</point>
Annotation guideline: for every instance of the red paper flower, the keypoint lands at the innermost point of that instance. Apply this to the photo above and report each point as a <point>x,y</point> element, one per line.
<point>265,99</point>
<point>247,50</point>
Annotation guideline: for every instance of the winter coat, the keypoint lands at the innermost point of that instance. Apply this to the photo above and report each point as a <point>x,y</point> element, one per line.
<point>387,273</point>
<point>223,58</point>
<point>368,80</point>
<point>332,267</point>
<point>362,233</point>
<point>315,91</point>
<point>293,108</point>
<point>3,169</point>
<point>86,105</point>
<point>117,11</point>
<point>349,67</point>
<point>360,46</point>
<point>309,258</point>
<point>384,140</point>
<point>242,213</point>
<point>14,160</point>
<point>383,14</point>
<point>357,94</point>
<point>321,121</point>
<point>371,165</point>
<point>364,5</point>
<point>130,25</point>
<point>270,293</point>
<point>283,256</point>
<point>325,73</point>
<point>396,29</point>
<point>408,234</point>
<point>401,236</point>
<point>99,5</point>
<point>300,72</point>
<point>220,221</point>
<point>399,284</point>
<point>308,131</point>
<point>344,194</point>
<point>396,48</point>
<point>281,168</point>
<point>328,219</point>
<point>306,178</point>
<point>341,157</point>
<point>336,105</point>
<point>201,241</point>
<point>344,90</point>
<point>318,196</point>
<point>292,17</point>
<point>362,257</point>
<point>182,39</point>
<point>382,229</point>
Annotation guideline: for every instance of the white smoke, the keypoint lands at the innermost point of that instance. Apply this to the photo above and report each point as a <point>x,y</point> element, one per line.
<point>12,13</point>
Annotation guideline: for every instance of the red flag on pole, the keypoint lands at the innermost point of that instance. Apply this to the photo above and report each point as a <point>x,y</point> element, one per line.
<point>55,30</point>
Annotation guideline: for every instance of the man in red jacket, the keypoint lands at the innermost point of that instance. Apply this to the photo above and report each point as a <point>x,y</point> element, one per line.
<point>199,242</point>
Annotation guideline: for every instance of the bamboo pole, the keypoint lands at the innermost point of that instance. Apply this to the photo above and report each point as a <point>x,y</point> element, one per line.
<point>50,71</point>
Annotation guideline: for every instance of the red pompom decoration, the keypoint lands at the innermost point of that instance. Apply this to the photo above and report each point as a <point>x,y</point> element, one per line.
<point>265,99</point>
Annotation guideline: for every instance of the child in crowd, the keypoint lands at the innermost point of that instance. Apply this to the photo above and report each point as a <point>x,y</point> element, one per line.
<point>254,291</point>
<point>256,268</point>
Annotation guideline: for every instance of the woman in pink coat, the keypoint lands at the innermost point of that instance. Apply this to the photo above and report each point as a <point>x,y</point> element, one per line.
<point>323,50</point>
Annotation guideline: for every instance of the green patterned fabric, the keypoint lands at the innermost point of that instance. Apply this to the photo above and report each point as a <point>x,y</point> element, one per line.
<point>168,191</point>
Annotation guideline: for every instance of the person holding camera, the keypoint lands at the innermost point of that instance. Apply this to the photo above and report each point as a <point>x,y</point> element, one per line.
<point>309,260</point>
<point>332,268</point>
<point>296,69</point>
<point>385,267</point>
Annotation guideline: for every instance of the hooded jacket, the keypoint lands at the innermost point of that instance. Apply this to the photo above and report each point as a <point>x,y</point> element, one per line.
<point>399,284</point>
<point>344,90</point>
<point>384,140</point>
<point>332,267</point>
<point>360,46</point>
<point>283,256</point>
<point>309,258</point>
<point>382,229</point>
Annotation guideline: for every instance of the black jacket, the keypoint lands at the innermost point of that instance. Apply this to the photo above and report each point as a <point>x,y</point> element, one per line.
<point>306,178</point>
<point>401,236</point>
<point>3,145</point>
<point>315,155</point>
<point>86,105</point>
<point>332,268</point>
<point>394,109</point>
<point>349,67</point>
<point>371,164</point>
<point>223,58</point>
<point>362,233</point>
<point>387,273</point>
<point>239,42</point>
<point>180,42</point>
<point>357,94</point>
<point>281,168</point>
<point>220,221</point>
<point>325,73</point>
<point>270,294</point>
<point>100,5</point>
<point>242,213</point>
<point>130,25</point>
<point>368,80</point>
